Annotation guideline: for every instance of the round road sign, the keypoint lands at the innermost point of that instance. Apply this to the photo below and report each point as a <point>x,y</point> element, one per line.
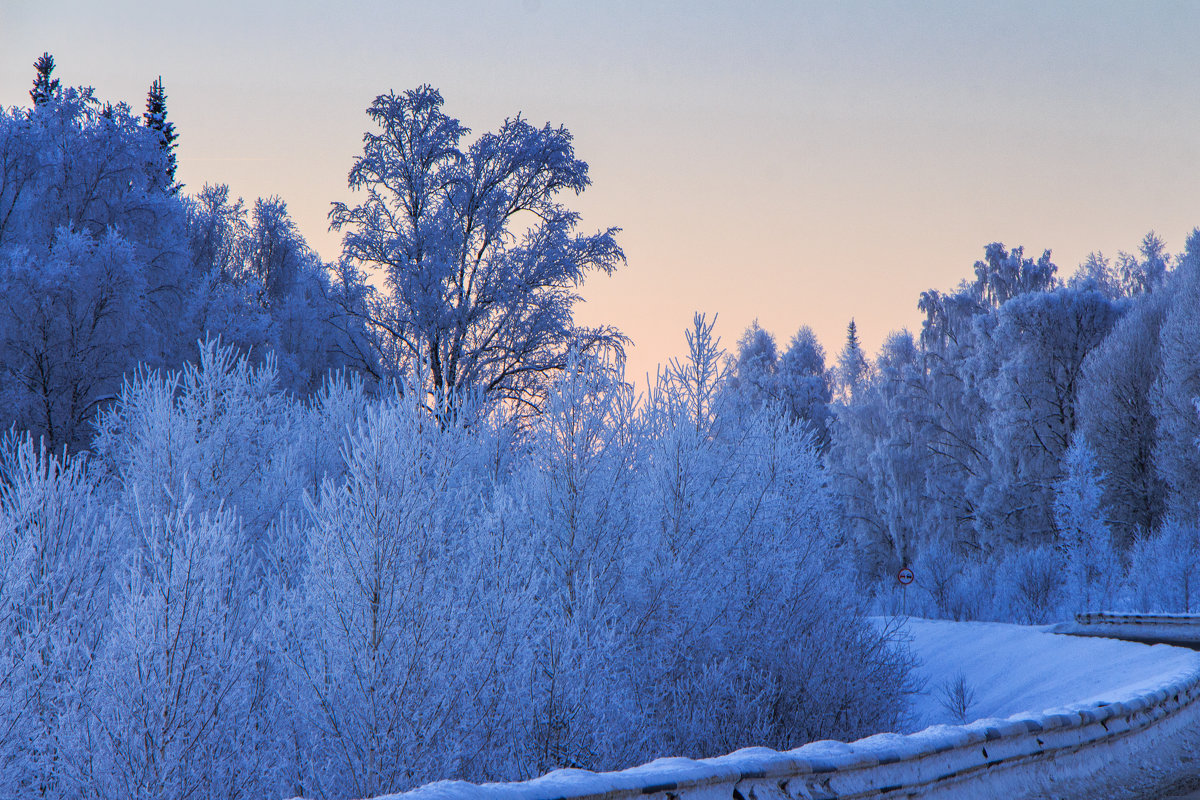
<point>905,576</point>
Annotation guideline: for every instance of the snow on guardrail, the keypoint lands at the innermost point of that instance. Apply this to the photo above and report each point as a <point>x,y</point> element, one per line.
<point>1177,629</point>
<point>1083,751</point>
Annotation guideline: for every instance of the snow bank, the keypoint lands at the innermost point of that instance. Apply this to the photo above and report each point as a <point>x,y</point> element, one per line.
<point>1181,629</point>
<point>1017,669</point>
<point>1131,728</point>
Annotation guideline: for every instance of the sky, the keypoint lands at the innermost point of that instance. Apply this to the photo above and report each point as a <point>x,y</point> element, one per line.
<point>798,163</point>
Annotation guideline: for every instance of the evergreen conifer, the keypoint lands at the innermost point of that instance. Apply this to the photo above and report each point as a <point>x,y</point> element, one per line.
<point>43,87</point>
<point>156,118</point>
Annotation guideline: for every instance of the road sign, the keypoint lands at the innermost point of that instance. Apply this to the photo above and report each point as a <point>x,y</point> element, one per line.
<point>905,576</point>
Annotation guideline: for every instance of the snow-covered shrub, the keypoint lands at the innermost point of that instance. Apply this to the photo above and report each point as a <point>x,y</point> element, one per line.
<point>694,600</point>
<point>393,638</point>
<point>1164,569</point>
<point>217,432</point>
<point>1032,580</point>
<point>350,595</point>
<point>1092,564</point>
<point>937,587</point>
<point>178,711</point>
<point>957,696</point>
<point>53,564</point>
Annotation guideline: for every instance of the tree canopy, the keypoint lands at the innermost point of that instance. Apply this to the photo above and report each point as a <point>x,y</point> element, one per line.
<point>480,260</point>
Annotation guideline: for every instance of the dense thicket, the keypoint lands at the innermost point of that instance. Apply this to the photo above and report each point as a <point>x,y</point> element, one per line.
<point>105,266</point>
<point>1035,451</point>
<point>237,593</point>
<point>366,537</point>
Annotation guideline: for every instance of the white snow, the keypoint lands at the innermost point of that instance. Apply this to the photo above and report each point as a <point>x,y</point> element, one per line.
<point>1014,669</point>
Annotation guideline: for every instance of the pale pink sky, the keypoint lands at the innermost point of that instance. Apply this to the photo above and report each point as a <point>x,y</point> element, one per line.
<point>800,163</point>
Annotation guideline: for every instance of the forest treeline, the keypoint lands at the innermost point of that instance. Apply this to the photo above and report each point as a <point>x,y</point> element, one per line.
<point>1033,452</point>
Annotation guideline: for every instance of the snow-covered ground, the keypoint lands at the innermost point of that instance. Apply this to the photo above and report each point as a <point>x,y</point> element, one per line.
<point>1009,669</point>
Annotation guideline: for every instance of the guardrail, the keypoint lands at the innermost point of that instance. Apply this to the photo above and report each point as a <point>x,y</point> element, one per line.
<point>1078,752</point>
<point>1177,629</point>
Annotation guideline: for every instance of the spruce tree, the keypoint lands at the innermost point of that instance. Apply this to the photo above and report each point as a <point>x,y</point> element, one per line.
<point>852,364</point>
<point>43,87</point>
<point>156,119</point>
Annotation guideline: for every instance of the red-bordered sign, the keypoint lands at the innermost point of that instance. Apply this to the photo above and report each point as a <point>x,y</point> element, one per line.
<point>905,576</point>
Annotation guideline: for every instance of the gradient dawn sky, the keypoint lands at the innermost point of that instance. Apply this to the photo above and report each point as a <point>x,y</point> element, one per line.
<point>802,163</point>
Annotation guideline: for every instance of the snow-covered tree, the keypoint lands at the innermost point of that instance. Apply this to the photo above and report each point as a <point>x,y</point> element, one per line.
<point>752,377</point>
<point>392,669</point>
<point>44,86</point>
<point>262,288</point>
<point>852,364</point>
<point>1096,274</point>
<point>54,561</point>
<point>1041,339</point>
<point>1164,568</point>
<point>73,322</point>
<point>155,119</point>
<point>178,709</point>
<point>881,460</point>
<point>473,302</point>
<point>697,380</point>
<point>1143,275</point>
<point>804,385</point>
<point>1115,414</point>
<point>1093,567</point>
<point>1002,275</point>
<point>215,433</point>
<point>1176,389</point>
<point>88,261</point>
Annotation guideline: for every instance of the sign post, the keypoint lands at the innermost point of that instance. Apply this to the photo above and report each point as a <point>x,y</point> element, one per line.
<point>905,576</point>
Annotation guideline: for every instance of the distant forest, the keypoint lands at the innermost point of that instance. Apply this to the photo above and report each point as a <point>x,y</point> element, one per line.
<point>277,527</point>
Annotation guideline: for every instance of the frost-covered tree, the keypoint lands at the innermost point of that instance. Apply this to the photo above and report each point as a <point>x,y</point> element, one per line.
<point>178,710</point>
<point>575,490</point>
<point>881,459</point>
<point>1097,274</point>
<point>1165,568</point>
<point>718,503</point>
<point>804,385</point>
<point>392,665</point>
<point>1041,339</point>
<point>54,563</point>
<point>753,382</point>
<point>44,87</point>
<point>1002,275</point>
<point>277,255</point>
<point>155,119</point>
<point>698,379</point>
<point>852,364</point>
<point>73,322</point>
<point>1115,415</point>
<point>1093,567</point>
<point>472,302</point>
<point>794,385</point>
<point>88,261</point>
<point>1176,389</point>
<point>85,171</point>
<point>215,433</point>
<point>1141,275</point>
<point>262,288</point>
